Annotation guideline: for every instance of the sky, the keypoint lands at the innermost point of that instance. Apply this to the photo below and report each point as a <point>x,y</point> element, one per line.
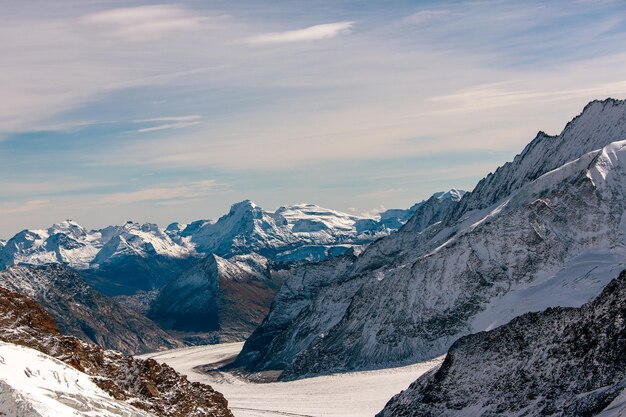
<point>160,112</point>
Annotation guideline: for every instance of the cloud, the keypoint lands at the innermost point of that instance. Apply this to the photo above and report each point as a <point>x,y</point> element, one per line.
<point>160,194</point>
<point>27,206</point>
<point>175,122</point>
<point>426,16</point>
<point>190,118</point>
<point>312,33</point>
<point>143,23</point>
<point>495,95</point>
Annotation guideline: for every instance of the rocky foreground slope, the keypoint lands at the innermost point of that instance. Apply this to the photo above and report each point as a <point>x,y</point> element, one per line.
<point>85,313</point>
<point>530,239</point>
<point>145,386</point>
<point>560,362</point>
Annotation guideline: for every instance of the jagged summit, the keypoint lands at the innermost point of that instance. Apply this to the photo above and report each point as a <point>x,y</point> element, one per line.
<point>601,122</point>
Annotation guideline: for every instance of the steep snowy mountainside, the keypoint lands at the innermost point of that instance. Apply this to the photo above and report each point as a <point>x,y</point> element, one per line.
<point>228,295</point>
<point>82,312</point>
<point>409,296</point>
<point>143,384</point>
<point>600,123</point>
<point>560,362</point>
<point>33,384</point>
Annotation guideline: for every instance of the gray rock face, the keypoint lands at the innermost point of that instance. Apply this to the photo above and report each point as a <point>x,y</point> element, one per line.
<point>409,296</point>
<point>82,312</point>
<point>560,362</point>
<point>227,295</point>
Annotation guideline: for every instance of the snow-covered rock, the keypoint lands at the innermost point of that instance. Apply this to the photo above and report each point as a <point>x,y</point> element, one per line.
<point>560,362</point>
<point>33,384</point>
<point>82,312</point>
<point>409,296</point>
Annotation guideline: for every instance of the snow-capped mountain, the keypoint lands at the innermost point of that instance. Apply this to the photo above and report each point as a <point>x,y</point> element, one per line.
<point>560,362</point>
<point>82,312</point>
<point>532,239</point>
<point>64,376</point>
<point>70,244</point>
<point>292,233</point>
<point>124,259</point>
<point>230,296</point>
<point>116,259</point>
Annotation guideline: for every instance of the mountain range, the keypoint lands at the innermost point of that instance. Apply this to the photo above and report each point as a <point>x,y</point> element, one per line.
<point>122,260</point>
<point>544,230</point>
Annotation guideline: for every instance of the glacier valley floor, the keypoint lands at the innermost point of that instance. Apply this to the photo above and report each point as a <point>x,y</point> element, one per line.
<point>356,394</point>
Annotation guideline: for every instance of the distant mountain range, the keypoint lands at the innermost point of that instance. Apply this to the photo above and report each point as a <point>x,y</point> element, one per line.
<point>215,278</point>
<point>546,229</point>
<point>132,257</point>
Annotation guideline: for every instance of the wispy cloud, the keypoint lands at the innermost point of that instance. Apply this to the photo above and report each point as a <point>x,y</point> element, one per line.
<point>143,23</point>
<point>426,16</point>
<point>174,122</point>
<point>22,207</point>
<point>190,118</point>
<point>312,33</point>
<point>159,194</point>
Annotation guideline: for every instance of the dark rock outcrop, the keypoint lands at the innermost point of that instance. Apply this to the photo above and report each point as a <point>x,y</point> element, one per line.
<point>560,362</point>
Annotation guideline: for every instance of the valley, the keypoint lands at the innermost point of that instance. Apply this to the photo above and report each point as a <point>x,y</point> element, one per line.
<point>358,394</point>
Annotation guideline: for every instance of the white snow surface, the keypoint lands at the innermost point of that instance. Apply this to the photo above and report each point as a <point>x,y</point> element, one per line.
<point>33,384</point>
<point>357,394</point>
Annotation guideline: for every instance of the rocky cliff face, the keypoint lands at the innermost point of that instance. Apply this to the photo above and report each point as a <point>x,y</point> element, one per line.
<point>82,312</point>
<point>551,238</point>
<point>230,296</point>
<point>560,362</point>
<point>146,386</point>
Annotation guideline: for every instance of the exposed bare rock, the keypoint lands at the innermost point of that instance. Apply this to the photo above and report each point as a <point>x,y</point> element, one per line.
<point>568,362</point>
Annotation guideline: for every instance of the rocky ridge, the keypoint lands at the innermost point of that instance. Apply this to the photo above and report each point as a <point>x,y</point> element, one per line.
<point>560,362</point>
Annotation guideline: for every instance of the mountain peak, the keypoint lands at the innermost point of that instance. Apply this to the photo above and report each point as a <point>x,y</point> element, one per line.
<point>245,205</point>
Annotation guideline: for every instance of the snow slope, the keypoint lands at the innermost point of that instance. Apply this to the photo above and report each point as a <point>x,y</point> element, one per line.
<point>359,394</point>
<point>409,296</point>
<point>33,384</point>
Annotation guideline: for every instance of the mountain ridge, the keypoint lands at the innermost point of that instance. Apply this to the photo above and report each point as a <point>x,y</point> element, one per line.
<point>410,295</point>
